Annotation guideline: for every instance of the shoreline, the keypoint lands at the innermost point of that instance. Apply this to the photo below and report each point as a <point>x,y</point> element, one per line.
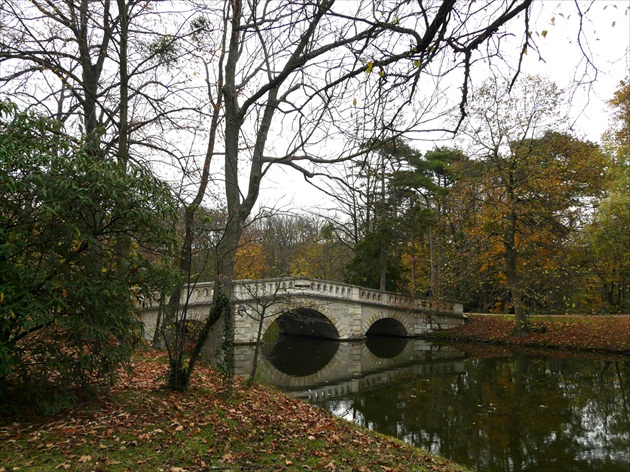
<point>594,334</point>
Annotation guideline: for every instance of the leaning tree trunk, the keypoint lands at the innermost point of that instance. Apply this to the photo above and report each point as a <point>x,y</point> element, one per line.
<point>179,374</point>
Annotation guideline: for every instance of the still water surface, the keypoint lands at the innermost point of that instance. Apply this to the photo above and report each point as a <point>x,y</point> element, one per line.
<point>503,411</point>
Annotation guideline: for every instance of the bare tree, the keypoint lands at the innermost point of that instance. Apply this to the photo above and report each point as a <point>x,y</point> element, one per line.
<point>296,75</point>
<point>264,296</point>
<point>104,69</point>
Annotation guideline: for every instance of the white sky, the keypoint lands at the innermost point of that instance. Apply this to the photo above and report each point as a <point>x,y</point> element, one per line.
<point>607,34</point>
<point>606,42</point>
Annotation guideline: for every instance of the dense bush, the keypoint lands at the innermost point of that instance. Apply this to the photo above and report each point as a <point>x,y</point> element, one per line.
<point>81,241</point>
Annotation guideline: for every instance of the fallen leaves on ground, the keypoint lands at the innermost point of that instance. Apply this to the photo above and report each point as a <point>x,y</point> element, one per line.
<point>609,334</point>
<point>142,426</point>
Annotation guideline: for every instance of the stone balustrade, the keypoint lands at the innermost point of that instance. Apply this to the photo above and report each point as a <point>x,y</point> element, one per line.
<point>247,290</point>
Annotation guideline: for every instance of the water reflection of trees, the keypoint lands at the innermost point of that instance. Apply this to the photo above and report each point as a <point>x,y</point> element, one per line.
<point>521,413</point>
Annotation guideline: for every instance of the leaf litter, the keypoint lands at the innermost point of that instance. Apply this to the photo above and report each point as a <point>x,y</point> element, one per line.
<point>139,425</point>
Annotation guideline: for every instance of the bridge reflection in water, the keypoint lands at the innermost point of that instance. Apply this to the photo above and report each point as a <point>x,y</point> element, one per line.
<point>517,412</point>
<point>317,369</point>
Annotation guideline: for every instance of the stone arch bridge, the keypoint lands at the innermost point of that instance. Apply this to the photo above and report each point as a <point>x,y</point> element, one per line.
<point>319,308</point>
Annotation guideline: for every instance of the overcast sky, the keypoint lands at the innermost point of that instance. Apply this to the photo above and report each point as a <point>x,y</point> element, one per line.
<point>607,42</point>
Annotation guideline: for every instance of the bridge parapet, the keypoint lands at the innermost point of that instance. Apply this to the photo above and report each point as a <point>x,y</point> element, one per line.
<point>250,290</point>
<point>200,294</point>
<point>410,302</point>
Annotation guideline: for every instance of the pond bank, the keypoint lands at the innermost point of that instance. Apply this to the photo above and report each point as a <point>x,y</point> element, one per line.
<point>605,334</point>
<point>142,427</point>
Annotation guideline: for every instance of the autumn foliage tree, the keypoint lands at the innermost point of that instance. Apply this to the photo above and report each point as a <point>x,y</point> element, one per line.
<point>609,234</point>
<point>534,183</point>
<point>290,246</point>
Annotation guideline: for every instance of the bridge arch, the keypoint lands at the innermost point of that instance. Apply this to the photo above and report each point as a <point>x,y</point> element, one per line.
<point>388,324</point>
<point>387,327</point>
<point>343,356</point>
<point>303,321</point>
<point>389,347</point>
<point>288,355</point>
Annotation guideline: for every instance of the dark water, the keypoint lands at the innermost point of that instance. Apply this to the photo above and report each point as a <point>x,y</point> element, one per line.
<point>507,412</point>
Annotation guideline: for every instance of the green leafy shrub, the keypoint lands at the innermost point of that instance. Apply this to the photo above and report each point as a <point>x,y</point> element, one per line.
<point>81,241</point>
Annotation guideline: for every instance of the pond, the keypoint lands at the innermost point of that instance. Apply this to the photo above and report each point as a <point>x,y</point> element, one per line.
<point>494,411</point>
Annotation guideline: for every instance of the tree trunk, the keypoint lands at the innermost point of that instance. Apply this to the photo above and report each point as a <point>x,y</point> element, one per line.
<point>259,334</point>
<point>383,263</point>
<point>514,282</point>
<point>226,253</point>
<point>173,333</point>
<point>123,243</point>
<point>432,258</point>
